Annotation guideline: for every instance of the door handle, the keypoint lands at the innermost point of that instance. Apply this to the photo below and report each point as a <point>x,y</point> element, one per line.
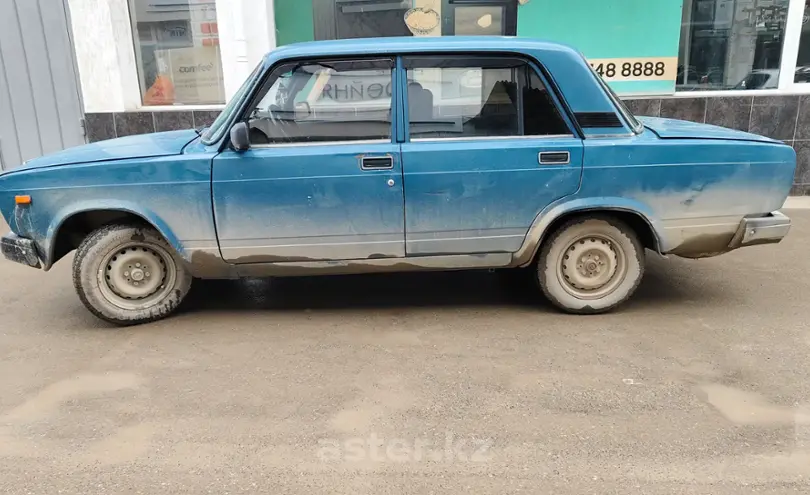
<point>377,162</point>
<point>554,158</point>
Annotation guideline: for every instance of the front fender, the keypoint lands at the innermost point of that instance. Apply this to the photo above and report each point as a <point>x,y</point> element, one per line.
<point>47,244</point>
<point>572,204</point>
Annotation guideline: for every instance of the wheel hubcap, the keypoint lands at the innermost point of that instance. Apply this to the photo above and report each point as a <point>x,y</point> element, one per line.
<point>591,267</point>
<point>136,275</point>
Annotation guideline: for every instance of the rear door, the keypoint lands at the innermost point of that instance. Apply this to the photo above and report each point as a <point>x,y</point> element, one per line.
<point>487,148</point>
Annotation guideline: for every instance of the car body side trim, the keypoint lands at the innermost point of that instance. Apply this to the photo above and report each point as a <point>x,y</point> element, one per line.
<point>490,138</point>
<point>319,143</point>
<point>377,265</point>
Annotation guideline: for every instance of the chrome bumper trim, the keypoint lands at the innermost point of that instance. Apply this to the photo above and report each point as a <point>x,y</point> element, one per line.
<point>769,229</point>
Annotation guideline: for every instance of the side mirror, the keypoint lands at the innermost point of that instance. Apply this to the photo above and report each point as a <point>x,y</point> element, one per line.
<point>302,110</point>
<point>240,136</point>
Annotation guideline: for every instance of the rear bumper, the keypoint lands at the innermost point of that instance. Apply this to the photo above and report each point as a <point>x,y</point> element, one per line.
<point>769,229</point>
<point>20,250</point>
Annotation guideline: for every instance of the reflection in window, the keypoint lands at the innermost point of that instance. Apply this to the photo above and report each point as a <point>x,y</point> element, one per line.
<point>479,20</point>
<point>177,51</point>
<point>731,44</point>
<point>478,97</point>
<point>335,101</point>
<point>341,19</point>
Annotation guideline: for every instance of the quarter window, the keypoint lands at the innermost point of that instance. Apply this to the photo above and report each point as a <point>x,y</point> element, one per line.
<point>325,101</point>
<point>478,97</point>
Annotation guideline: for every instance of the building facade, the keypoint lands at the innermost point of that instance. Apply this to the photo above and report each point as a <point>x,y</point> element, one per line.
<point>147,65</point>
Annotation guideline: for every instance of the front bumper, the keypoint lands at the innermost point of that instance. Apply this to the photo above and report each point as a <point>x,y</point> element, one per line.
<point>769,229</point>
<point>20,250</point>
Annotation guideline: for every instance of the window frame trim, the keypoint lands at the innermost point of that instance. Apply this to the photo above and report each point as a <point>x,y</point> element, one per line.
<point>790,48</point>
<point>559,103</point>
<point>318,143</point>
<point>491,138</point>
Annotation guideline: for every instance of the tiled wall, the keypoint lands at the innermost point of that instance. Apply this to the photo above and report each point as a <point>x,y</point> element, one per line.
<point>786,118</point>
<point>101,126</point>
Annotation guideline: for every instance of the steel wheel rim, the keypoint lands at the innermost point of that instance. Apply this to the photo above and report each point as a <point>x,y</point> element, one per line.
<point>136,275</point>
<point>592,266</point>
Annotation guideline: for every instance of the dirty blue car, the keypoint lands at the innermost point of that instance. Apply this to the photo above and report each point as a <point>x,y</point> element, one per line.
<point>389,155</point>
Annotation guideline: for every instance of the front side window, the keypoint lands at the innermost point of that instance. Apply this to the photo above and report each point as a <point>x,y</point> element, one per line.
<point>731,44</point>
<point>460,97</point>
<point>213,132</point>
<point>325,102</point>
<point>177,52</point>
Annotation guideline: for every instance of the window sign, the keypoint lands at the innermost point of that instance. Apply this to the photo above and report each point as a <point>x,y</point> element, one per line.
<point>632,44</point>
<point>177,52</point>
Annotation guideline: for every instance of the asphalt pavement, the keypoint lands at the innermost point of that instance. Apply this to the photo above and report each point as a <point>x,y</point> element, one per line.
<point>417,383</point>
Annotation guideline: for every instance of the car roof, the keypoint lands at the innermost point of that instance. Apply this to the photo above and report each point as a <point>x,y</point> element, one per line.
<point>416,44</point>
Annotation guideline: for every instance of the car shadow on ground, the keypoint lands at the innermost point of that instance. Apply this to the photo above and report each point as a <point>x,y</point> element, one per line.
<point>433,289</point>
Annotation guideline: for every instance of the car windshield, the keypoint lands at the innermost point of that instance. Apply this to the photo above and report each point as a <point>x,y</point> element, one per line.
<point>212,133</point>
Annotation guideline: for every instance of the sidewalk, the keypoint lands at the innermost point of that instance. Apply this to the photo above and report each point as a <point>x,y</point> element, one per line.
<point>797,202</point>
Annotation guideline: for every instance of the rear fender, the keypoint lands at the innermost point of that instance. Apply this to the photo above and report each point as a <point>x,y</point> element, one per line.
<point>570,205</point>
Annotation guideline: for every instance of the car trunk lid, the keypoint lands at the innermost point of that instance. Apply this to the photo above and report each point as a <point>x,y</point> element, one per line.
<point>681,129</point>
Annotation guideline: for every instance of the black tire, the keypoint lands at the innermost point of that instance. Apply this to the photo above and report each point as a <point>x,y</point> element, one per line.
<point>573,238</point>
<point>90,277</point>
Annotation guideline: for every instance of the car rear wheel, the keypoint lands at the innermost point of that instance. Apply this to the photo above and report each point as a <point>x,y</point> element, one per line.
<point>128,275</point>
<point>590,265</point>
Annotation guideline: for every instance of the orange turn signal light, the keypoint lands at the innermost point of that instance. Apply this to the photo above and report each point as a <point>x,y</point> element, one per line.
<point>22,200</point>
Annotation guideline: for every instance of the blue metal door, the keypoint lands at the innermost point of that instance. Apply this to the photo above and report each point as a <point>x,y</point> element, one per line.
<point>488,147</point>
<point>481,196</point>
<point>311,202</point>
<point>322,179</point>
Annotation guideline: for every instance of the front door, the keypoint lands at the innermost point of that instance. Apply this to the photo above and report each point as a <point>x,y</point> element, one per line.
<point>488,148</point>
<point>323,177</point>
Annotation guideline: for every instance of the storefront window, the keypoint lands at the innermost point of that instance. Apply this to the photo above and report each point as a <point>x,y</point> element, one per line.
<point>341,19</point>
<point>803,60</point>
<point>731,44</point>
<point>177,52</point>
<point>479,20</point>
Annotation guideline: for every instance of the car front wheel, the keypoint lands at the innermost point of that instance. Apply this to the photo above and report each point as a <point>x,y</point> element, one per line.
<point>128,275</point>
<point>591,264</point>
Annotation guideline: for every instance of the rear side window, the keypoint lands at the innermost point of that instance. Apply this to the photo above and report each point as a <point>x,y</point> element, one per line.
<point>472,96</point>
